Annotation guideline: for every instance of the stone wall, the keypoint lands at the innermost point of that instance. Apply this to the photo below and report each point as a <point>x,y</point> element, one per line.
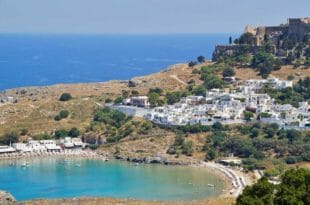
<point>6,198</point>
<point>299,27</point>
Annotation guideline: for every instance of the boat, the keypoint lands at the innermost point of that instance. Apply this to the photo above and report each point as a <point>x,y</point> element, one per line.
<point>25,164</point>
<point>211,185</point>
<point>64,162</point>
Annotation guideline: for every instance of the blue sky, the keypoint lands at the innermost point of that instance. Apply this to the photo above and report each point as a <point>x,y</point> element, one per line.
<point>144,16</point>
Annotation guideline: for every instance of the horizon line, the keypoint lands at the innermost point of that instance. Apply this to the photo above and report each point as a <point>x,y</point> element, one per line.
<point>114,34</point>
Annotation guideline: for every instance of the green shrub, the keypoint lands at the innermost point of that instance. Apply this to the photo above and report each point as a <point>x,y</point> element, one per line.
<point>60,134</point>
<point>9,138</point>
<point>57,118</point>
<point>187,148</point>
<point>65,97</point>
<point>74,132</point>
<point>93,146</point>
<point>119,100</point>
<point>24,132</point>
<point>108,100</point>
<point>228,72</point>
<point>64,114</point>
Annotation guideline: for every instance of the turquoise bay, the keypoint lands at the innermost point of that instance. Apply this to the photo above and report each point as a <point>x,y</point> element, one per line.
<point>49,178</point>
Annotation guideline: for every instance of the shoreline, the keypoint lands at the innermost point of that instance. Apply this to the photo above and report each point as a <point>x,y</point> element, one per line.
<point>87,154</point>
<point>233,183</point>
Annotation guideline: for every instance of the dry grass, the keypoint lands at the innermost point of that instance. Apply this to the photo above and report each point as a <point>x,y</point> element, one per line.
<point>283,73</point>
<point>37,108</point>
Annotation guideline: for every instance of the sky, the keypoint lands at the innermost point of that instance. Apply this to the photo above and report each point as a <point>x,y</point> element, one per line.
<point>144,16</point>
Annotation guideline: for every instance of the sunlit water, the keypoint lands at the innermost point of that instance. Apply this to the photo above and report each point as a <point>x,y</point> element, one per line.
<point>51,178</point>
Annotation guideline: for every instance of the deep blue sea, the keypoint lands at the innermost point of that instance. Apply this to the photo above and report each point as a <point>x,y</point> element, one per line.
<point>49,178</point>
<point>30,60</point>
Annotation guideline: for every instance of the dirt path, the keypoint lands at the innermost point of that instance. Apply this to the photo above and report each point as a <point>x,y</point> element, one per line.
<point>177,79</point>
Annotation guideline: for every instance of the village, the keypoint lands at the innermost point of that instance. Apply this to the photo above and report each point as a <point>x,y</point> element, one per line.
<point>227,106</point>
<point>66,147</point>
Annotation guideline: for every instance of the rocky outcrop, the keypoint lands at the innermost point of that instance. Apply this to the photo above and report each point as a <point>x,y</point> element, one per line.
<point>6,198</point>
<point>157,160</point>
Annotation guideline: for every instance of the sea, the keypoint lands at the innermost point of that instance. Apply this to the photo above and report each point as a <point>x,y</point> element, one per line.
<point>56,178</point>
<point>40,59</point>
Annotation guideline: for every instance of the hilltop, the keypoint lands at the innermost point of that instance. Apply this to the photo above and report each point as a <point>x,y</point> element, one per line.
<point>268,48</point>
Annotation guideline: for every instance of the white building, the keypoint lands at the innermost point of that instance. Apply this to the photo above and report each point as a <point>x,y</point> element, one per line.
<point>274,83</point>
<point>139,101</point>
<point>22,147</point>
<point>6,149</point>
<point>228,107</point>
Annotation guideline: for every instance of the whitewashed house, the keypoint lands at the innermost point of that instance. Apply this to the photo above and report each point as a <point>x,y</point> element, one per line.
<point>6,149</point>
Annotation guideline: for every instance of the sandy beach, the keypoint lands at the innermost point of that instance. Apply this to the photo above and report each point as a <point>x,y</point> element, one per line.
<point>234,180</point>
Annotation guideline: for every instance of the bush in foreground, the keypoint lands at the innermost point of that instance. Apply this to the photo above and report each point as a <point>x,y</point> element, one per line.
<point>294,189</point>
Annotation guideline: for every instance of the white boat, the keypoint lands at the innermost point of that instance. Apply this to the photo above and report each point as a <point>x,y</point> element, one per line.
<point>211,185</point>
<point>25,164</point>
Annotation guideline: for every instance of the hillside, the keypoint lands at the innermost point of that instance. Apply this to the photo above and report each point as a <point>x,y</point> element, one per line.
<point>37,106</point>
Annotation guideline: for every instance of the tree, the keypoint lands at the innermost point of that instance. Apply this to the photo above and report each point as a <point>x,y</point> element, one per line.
<point>294,189</point>
<point>119,100</point>
<point>260,193</point>
<point>248,115</point>
<point>290,77</point>
<point>42,136</point>
<point>228,72</point>
<point>307,53</point>
<point>8,138</point>
<point>179,140</point>
<point>157,90</point>
<point>210,154</point>
<point>264,62</point>
<point>24,132</point>
<point>57,118</point>
<point>246,38</point>
<point>125,93</point>
<point>290,58</point>
<point>270,132</point>
<point>199,90</point>
<point>74,132</point>
<point>187,148</point>
<point>154,99</point>
<point>65,97</point>
<point>230,40</point>
<point>173,97</point>
<point>201,59</point>
<point>60,134</point>
<point>212,81</point>
<point>108,100</point>
<point>192,64</point>
<point>217,126</point>
<point>254,132</point>
<point>134,93</point>
<point>63,114</point>
<point>293,134</point>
